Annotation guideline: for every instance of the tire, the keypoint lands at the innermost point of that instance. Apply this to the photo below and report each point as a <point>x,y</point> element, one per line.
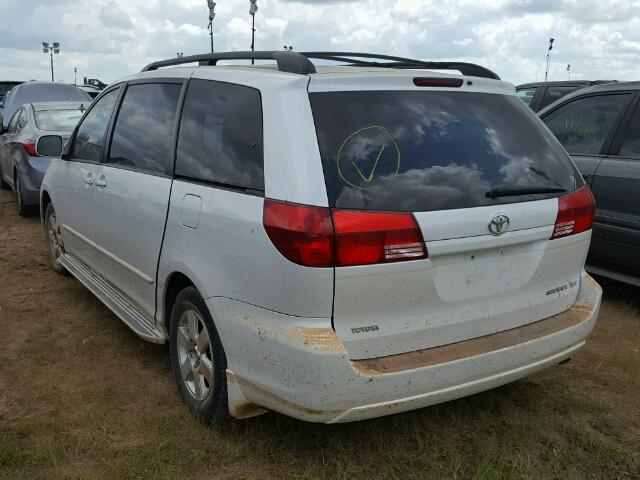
<point>55,245</point>
<point>199,367</point>
<point>3,184</point>
<point>23,210</point>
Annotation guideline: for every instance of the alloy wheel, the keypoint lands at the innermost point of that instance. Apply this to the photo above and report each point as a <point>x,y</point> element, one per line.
<point>194,355</point>
<point>18,194</point>
<point>55,238</point>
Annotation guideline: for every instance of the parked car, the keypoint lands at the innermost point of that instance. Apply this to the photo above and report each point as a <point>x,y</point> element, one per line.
<point>5,87</point>
<point>600,128</point>
<point>35,134</point>
<point>31,92</point>
<point>540,94</point>
<point>92,91</point>
<point>94,82</point>
<point>332,243</point>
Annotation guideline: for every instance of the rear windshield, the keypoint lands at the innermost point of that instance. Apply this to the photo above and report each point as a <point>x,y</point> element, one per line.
<point>57,119</point>
<point>424,151</point>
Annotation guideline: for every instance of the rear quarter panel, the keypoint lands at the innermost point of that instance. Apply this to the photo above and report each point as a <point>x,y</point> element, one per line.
<point>217,239</point>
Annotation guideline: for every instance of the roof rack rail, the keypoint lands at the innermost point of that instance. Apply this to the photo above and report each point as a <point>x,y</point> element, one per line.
<point>288,61</point>
<point>354,60</point>
<point>296,62</point>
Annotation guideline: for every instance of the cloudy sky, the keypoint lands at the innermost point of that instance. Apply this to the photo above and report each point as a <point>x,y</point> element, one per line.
<point>111,38</point>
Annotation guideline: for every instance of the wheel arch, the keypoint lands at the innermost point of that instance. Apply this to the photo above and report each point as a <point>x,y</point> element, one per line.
<point>175,283</point>
<point>45,200</point>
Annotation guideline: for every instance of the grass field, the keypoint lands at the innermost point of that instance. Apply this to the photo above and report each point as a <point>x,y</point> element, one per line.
<point>82,397</point>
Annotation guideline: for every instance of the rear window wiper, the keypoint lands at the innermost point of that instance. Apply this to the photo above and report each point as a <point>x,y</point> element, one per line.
<point>514,192</point>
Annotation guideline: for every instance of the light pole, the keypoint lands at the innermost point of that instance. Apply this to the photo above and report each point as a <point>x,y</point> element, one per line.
<point>253,8</point>
<point>51,48</point>
<point>212,14</point>
<point>546,73</point>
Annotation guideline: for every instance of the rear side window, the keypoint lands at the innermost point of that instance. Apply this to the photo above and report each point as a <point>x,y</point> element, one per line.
<point>89,140</point>
<point>631,142</point>
<point>64,120</point>
<point>424,151</point>
<point>13,124</point>
<point>221,135</point>
<point>554,93</point>
<point>526,95</point>
<point>583,125</point>
<point>143,132</point>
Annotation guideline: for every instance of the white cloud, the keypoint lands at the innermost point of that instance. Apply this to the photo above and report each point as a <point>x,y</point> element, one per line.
<point>111,38</point>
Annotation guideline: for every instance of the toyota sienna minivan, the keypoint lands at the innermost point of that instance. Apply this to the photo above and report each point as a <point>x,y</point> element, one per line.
<point>334,243</point>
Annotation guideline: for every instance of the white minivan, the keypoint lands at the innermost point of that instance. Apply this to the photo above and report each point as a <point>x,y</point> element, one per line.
<point>333,243</point>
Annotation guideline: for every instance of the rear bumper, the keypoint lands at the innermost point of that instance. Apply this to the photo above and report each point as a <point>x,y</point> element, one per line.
<point>303,370</point>
<point>31,175</point>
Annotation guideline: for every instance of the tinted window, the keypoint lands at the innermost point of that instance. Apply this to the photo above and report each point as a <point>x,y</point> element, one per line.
<point>221,135</point>
<point>89,141</point>
<point>58,119</point>
<point>582,125</point>
<point>143,133</point>
<point>421,151</point>
<point>631,142</point>
<point>526,94</point>
<point>554,93</point>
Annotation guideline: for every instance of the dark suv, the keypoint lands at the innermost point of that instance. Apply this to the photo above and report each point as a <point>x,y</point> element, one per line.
<point>540,94</point>
<point>600,128</point>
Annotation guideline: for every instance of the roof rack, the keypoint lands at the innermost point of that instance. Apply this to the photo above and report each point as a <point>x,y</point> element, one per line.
<point>354,60</point>
<point>296,62</point>
<point>292,62</point>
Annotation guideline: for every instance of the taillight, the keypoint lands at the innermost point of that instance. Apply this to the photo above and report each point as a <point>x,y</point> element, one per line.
<point>575,213</point>
<point>301,233</point>
<point>30,147</point>
<point>365,238</point>
<point>309,236</point>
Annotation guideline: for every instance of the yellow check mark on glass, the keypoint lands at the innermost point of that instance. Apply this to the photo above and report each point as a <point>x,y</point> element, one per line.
<point>373,170</point>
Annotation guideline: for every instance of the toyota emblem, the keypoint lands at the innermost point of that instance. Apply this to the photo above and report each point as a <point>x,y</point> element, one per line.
<point>499,224</point>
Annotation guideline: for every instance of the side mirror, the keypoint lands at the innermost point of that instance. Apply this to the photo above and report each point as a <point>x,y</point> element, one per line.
<point>49,146</point>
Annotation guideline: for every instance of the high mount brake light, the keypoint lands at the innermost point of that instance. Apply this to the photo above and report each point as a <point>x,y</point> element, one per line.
<point>320,237</point>
<point>575,213</point>
<point>438,82</point>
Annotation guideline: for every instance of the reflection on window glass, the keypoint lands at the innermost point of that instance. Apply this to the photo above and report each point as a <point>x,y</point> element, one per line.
<point>221,135</point>
<point>13,124</point>
<point>422,151</point>
<point>63,120</point>
<point>89,141</point>
<point>631,143</point>
<point>526,95</point>
<point>583,125</point>
<point>143,132</point>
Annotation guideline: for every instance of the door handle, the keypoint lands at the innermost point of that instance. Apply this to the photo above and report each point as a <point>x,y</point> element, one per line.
<point>101,182</point>
<point>88,179</point>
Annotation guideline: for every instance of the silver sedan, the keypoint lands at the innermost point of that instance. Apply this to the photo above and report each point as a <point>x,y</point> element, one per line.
<point>30,141</point>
